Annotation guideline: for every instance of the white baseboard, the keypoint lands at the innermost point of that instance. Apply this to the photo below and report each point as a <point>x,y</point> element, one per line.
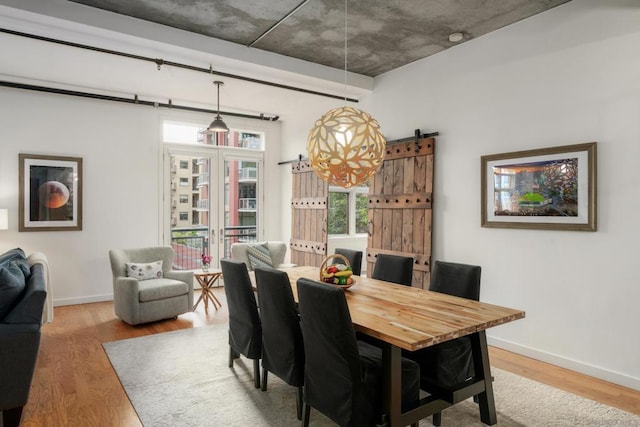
<point>59,302</point>
<point>563,362</point>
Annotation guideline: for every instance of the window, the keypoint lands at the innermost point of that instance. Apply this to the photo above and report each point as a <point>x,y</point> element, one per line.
<point>338,213</point>
<point>184,216</point>
<point>184,182</point>
<point>184,164</point>
<point>184,198</point>
<point>362,214</point>
<point>347,211</point>
<point>182,133</point>
<point>186,133</point>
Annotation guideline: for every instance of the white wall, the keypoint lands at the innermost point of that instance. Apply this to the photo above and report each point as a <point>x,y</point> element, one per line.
<point>121,151</point>
<point>567,76</point>
<point>119,146</point>
<point>119,143</point>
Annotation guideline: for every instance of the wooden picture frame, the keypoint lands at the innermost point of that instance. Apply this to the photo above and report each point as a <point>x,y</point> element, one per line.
<point>547,189</point>
<point>50,193</point>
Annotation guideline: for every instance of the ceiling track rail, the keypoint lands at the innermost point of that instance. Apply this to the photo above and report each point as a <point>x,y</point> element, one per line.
<point>274,26</point>
<point>135,100</point>
<point>160,62</point>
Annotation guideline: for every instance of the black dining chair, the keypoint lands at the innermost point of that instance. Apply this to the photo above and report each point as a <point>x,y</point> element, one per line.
<point>354,257</point>
<point>343,376</point>
<point>460,280</point>
<point>245,329</point>
<point>448,366</point>
<point>393,268</point>
<point>282,346</point>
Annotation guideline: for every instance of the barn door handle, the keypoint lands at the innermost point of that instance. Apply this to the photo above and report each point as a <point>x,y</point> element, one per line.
<point>370,228</point>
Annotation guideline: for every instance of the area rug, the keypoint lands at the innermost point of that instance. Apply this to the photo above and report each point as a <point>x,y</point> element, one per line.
<point>182,378</point>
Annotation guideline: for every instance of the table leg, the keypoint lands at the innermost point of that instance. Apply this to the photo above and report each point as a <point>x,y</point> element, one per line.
<point>392,374</point>
<point>212,280</point>
<point>198,301</point>
<point>206,292</point>
<point>216,303</point>
<point>483,371</point>
<point>207,299</point>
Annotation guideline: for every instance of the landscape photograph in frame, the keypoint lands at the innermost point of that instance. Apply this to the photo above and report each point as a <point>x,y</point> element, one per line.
<point>550,188</point>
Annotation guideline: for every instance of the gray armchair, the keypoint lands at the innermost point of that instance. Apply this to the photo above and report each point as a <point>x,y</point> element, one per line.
<point>19,345</point>
<point>141,301</point>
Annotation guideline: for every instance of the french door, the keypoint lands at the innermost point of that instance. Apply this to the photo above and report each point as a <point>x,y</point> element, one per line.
<point>212,200</point>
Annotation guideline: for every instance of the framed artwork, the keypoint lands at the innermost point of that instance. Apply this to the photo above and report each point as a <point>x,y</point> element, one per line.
<point>50,193</point>
<point>550,188</point>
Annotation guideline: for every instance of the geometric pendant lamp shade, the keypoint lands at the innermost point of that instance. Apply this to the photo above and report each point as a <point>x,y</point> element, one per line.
<point>346,147</point>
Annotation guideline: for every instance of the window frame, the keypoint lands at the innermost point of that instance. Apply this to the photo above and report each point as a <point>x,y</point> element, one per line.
<point>351,209</point>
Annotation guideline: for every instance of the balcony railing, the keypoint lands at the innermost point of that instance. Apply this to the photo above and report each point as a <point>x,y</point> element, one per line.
<point>248,173</point>
<point>202,204</point>
<point>247,204</point>
<point>203,179</point>
<point>189,243</point>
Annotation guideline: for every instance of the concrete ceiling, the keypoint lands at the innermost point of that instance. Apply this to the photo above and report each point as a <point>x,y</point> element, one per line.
<point>382,34</point>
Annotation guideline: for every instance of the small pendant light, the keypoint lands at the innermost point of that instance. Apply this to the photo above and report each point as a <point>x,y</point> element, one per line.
<point>217,125</point>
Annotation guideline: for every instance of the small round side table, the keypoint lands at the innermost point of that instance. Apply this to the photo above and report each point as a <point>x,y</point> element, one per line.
<point>207,279</point>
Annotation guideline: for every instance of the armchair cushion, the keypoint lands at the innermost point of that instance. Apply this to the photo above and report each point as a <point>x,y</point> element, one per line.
<point>156,289</point>
<point>145,271</point>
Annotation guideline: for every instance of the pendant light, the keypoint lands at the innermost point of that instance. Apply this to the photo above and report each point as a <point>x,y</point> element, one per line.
<point>346,146</point>
<point>217,125</point>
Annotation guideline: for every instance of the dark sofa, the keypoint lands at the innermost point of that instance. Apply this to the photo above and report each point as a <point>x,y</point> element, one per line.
<point>22,297</point>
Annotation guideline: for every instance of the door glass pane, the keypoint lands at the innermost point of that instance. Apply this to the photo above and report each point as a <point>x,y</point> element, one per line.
<point>240,202</point>
<point>189,202</point>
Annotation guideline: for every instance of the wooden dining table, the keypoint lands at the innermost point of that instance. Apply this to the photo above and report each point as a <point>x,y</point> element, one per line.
<point>407,318</point>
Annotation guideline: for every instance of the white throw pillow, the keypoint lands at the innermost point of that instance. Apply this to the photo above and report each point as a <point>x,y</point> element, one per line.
<point>142,271</point>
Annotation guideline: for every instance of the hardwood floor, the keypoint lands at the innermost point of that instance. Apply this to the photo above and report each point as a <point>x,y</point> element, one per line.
<point>75,385</point>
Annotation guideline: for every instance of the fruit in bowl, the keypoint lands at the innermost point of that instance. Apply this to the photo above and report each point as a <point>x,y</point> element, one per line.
<point>337,274</point>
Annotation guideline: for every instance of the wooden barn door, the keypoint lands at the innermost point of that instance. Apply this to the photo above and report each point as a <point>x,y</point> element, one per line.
<point>309,216</point>
<point>400,207</point>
